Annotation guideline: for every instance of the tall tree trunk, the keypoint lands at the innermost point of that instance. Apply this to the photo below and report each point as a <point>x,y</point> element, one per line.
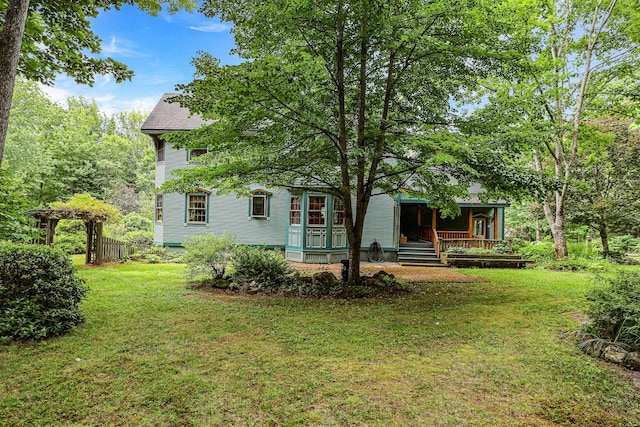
<point>604,235</point>
<point>559,231</point>
<point>10,45</point>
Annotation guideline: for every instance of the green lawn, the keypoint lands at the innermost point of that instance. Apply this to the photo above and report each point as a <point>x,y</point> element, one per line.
<point>153,352</point>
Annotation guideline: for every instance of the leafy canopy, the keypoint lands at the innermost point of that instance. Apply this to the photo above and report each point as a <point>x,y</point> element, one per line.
<point>58,38</point>
<point>351,98</point>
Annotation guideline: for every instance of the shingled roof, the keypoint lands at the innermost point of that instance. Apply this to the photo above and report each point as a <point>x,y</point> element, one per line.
<point>167,117</point>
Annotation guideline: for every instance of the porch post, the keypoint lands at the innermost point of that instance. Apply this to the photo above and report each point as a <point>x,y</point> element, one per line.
<point>433,219</point>
<point>495,224</point>
<point>470,222</point>
<point>419,216</point>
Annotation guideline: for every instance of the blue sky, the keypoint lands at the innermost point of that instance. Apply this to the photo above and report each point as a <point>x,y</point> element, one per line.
<point>158,49</point>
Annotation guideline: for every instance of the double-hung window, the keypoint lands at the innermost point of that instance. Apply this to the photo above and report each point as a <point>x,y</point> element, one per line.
<point>159,205</point>
<point>259,204</point>
<point>338,212</point>
<point>316,211</point>
<point>160,150</point>
<point>197,208</point>
<point>295,210</point>
<point>196,152</point>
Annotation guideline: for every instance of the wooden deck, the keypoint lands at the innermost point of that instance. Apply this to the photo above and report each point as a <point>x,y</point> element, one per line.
<point>485,260</point>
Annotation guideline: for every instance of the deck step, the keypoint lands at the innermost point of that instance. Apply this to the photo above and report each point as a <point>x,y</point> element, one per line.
<point>418,254</point>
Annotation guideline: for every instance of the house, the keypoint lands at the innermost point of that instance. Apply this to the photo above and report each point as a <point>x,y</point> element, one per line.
<point>307,225</point>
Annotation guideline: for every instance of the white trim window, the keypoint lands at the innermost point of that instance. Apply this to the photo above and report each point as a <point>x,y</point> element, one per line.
<point>196,208</point>
<point>259,206</point>
<point>295,210</point>
<point>317,211</point>
<point>160,150</point>
<point>197,152</point>
<point>158,208</point>
<point>338,212</point>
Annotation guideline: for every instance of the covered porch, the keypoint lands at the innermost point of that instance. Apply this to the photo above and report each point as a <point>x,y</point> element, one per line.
<point>477,226</point>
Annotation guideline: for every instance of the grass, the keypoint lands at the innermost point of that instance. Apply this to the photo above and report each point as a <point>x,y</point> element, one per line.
<point>153,352</point>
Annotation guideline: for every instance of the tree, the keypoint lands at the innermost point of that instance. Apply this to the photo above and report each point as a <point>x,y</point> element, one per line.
<point>57,151</point>
<point>40,38</point>
<point>354,98</point>
<point>587,48</point>
<point>606,193</point>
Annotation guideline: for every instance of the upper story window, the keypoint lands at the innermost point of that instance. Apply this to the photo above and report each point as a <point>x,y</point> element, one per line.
<point>159,205</point>
<point>317,210</point>
<point>338,212</point>
<point>160,150</point>
<point>259,204</point>
<point>195,153</point>
<point>196,208</point>
<point>295,210</point>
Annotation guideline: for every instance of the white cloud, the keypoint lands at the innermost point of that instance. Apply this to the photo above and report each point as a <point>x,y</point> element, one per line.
<point>115,46</point>
<point>57,95</point>
<point>214,27</point>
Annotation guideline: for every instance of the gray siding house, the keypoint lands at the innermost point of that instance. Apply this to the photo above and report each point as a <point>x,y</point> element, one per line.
<point>308,226</point>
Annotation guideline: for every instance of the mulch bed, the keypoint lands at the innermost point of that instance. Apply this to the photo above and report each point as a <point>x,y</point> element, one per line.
<point>406,273</point>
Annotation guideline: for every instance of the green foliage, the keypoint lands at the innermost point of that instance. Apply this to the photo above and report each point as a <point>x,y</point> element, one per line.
<point>137,229</point>
<point>39,292</point>
<point>71,236</point>
<point>14,223</point>
<point>502,249</point>
<point>57,151</point>
<point>207,256</point>
<point>537,251</point>
<point>58,38</point>
<point>614,309</point>
<point>87,203</point>
<point>267,268</point>
<point>582,256</point>
<point>352,98</point>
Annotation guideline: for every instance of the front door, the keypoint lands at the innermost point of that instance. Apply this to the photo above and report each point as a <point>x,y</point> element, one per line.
<point>480,228</point>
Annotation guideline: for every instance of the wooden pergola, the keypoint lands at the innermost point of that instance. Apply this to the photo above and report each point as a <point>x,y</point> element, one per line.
<point>48,220</point>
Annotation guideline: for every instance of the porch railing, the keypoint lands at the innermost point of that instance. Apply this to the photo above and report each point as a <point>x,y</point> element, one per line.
<point>443,234</point>
<point>445,244</point>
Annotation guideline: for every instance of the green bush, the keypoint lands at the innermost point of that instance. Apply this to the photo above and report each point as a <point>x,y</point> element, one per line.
<point>501,248</point>
<point>207,256</point>
<point>39,292</point>
<point>135,222</point>
<point>268,268</point>
<point>138,237</point>
<point>71,236</point>
<point>614,309</point>
<point>537,251</point>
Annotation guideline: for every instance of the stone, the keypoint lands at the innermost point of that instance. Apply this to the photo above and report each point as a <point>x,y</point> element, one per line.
<point>632,361</point>
<point>614,354</point>
<point>324,279</point>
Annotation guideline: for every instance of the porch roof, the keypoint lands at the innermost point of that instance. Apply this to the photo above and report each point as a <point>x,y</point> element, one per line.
<point>472,201</point>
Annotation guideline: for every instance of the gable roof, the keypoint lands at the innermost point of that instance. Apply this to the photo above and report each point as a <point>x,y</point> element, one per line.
<point>167,117</point>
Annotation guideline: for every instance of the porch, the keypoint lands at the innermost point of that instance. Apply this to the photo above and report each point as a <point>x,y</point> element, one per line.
<point>479,226</point>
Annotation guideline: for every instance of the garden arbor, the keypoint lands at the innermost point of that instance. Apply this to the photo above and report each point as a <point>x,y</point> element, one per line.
<point>93,221</point>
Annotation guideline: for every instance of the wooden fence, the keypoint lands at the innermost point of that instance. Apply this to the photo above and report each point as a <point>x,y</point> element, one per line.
<point>110,250</point>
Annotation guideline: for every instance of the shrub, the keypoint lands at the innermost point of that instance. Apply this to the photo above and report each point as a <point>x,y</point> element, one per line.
<point>614,308</point>
<point>135,222</point>
<point>139,237</point>
<point>266,267</point>
<point>39,292</point>
<point>501,248</point>
<point>71,236</point>
<point>206,256</point>
<point>537,251</point>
